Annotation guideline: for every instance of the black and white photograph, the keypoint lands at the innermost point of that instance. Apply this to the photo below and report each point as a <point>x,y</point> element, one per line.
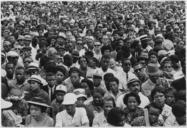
<point>93,63</point>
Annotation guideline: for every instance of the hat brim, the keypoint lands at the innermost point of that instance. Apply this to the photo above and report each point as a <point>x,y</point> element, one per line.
<point>39,104</point>
<point>35,81</point>
<point>155,73</point>
<point>5,104</point>
<point>68,103</point>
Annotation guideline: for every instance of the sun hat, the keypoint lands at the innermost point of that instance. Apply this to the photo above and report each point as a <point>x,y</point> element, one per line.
<point>80,92</point>
<point>39,101</point>
<point>5,104</point>
<point>69,99</point>
<point>36,78</point>
<point>61,88</point>
<point>153,69</point>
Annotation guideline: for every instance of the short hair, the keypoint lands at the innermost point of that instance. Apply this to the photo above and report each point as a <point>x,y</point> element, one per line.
<point>157,89</point>
<point>50,74</point>
<point>172,90</point>
<point>126,97</point>
<point>113,79</point>
<point>100,91</point>
<point>114,116</point>
<point>105,57</point>
<point>104,48</point>
<point>107,76</point>
<point>89,82</point>
<point>81,58</point>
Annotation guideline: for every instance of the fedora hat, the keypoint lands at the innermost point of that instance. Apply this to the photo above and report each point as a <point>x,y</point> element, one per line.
<point>153,69</point>
<point>35,78</point>
<point>39,101</point>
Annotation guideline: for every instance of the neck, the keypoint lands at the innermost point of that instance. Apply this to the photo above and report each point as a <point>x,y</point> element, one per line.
<point>20,81</point>
<point>10,76</point>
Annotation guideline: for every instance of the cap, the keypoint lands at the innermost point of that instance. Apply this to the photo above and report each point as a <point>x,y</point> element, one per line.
<point>69,99</point>
<point>61,88</point>
<point>80,93</point>
<point>135,79</point>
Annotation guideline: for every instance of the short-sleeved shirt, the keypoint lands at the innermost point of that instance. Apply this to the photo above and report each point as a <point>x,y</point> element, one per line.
<point>63,119</point>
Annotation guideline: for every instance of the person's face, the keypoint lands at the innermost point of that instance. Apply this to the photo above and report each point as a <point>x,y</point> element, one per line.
<point>92,63</point>
<point>167,67</point>
<point>170,98</point>
<point>34,85</point>
<point>10,69</point>
<point>135,87</point>
<point>59,76</point>
<point>107,52</point>
<point>105,63</point>
<point>97,99</point>
<point>20,74</point>
<point>70,109</point>
<point>74,77</point>
<point>12,39</point>
<point>108,105</point>
<point>35,111</point>
<point>116,36</point>
<point>126,65</point>
<point>7,46</point>
<point>153,59</point>
<point>6,34</point>
<point>159,99</point>
<point>105,40</point>
<point>79,44</point>
<point>154,114</point>
<point>132,104</point>
<point>83,62</point>
<point>181,44</point>
<point>112,63</point>
<point>96,81</point>
<point>51,80</point>
<point>90,44</point>
<point>60,96</point>
<point>27,42</point>
<point>113,86</point>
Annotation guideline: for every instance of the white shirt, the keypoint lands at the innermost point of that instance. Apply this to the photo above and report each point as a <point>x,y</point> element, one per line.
<point>144,101</point>
<point>122,77</point>
<point>63,119</point>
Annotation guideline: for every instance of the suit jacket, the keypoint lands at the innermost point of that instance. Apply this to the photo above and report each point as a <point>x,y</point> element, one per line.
<point>46,88</point>
<point>179,84</point>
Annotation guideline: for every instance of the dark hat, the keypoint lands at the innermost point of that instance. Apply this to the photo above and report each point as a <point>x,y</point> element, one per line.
<point>39,101</point>
<point>26,48</point>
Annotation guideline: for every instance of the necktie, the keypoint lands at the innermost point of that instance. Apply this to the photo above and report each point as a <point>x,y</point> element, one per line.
<point>127,76</point>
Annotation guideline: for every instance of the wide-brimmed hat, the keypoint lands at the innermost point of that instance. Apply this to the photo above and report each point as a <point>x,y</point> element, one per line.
<point>69,99</point>
<point>39,101</point>
<point>12,54</point>
<point>35,78</point>
<point>5,104</point>
<point>153,69</point>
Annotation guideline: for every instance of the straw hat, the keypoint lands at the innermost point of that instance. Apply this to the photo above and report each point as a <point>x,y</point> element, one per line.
<point>61,88</point>
<point>39,101</point>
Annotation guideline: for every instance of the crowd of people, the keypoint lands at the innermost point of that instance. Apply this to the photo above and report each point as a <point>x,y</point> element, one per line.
<point>94,64</point>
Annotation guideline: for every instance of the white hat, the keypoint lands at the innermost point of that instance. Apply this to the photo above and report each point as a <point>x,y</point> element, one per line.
<point>69,99</point>
<point>36,78</point>
<point>12,54</point>
<point>33,65</point>
<point>5,104</point>
<point>80,92</point>
<point>62,88</point>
